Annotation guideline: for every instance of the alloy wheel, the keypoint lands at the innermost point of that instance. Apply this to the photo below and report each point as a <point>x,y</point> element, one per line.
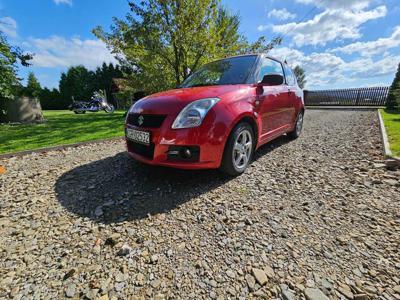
<point>242,150</point>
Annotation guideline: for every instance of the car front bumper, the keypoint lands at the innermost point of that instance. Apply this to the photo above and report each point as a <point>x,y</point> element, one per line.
<point>208,140</point>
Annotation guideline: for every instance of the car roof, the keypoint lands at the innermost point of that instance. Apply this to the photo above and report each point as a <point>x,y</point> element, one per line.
<point>254,54</point>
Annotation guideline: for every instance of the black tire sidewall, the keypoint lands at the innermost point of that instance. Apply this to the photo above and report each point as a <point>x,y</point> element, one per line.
<point>293,134</point>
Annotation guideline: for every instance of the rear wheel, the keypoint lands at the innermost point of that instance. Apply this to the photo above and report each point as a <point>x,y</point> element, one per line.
<point>298,126</point>
<point>238,150</point>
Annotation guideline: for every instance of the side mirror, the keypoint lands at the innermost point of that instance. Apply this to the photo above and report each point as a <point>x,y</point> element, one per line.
<point>272,79</point>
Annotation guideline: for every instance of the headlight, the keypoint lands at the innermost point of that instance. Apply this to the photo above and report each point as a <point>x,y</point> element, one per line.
<point>194,113</point>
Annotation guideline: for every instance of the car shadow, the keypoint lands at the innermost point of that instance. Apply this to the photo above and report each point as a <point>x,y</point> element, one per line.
<point>118,189</point>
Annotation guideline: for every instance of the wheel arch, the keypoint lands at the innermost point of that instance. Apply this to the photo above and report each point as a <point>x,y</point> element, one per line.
<point>247,118</point>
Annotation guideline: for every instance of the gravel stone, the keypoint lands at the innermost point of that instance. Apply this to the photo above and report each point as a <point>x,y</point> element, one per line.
<point>260,276</point>
<point>314,294</point>
<point>70,291</point>
<point>316,213</point>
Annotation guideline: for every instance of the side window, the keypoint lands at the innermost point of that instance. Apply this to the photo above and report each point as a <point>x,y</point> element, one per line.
<point>270,66</point>
<point>290,79</point>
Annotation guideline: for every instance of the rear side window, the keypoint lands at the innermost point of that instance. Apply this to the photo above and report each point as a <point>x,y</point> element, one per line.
<point>290,79</point>
<point>270,66</point>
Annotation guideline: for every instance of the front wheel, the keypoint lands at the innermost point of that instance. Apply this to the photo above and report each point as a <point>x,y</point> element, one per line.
<point>298,127</point>
<point>109,108</point>
<point>238,150</point>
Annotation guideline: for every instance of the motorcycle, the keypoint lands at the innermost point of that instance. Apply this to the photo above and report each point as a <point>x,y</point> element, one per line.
<point>98,102</point>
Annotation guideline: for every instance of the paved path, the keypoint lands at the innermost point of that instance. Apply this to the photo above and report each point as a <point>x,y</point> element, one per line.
<point>319,212</point>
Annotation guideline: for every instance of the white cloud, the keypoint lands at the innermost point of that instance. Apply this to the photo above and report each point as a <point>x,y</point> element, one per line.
<point>263,27</point>
<point>9,26</point>
<point>326,69</point>
<point>334,4</point>
<point>281,14</point>
<point>336,22</point>
<point>58,2</point>
<point>372,47</point>
<point>57,51</point>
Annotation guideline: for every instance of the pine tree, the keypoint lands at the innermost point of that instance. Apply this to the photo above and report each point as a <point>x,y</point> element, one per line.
<point>33,88</point>
<point>393,100</point>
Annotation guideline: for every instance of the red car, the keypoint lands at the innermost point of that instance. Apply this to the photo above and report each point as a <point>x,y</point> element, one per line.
<point>218,117</point>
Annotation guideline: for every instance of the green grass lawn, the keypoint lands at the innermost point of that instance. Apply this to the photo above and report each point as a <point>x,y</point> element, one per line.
<point>61,127</point>
<point>392,125</point>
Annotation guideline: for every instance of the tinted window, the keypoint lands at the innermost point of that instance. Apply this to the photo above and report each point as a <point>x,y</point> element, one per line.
<point>233,70</point>
<point>270,66</point>
<point>290,79</point>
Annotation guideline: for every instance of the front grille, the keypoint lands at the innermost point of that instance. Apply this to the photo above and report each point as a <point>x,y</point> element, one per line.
<point>143,150</point>
<point>148,121</point>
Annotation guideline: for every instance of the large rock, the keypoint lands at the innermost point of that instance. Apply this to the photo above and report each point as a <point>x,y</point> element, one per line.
<point>24,110</point>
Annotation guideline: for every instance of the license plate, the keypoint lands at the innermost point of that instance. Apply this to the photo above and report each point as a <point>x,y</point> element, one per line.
<point>139,136</point>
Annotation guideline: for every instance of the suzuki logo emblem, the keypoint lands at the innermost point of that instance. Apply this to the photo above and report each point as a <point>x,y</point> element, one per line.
<point>140,120</point>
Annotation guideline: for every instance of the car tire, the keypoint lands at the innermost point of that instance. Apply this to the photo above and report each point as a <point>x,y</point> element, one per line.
<point>238,150</point>
<point>297,127</point>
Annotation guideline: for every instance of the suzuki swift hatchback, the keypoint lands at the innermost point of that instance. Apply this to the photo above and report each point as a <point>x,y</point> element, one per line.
<point>218,117</point>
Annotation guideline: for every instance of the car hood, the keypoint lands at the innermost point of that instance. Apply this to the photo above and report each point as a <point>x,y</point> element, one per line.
<point>174,101</point>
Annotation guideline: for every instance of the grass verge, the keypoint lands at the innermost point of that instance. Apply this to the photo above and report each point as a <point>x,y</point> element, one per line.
<point>61,128</point>
<point>392,125</point>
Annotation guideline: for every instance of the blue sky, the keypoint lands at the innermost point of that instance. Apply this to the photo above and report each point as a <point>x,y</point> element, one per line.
<point>340,43</point>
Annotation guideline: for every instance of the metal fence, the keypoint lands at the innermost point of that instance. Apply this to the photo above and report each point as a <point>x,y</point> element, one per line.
<point>372,96</point>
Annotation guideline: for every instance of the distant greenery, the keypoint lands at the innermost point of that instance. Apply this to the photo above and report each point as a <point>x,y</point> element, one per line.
<point>10,58</point>
<point>392,125</point>
<point>33,88</point>
<point>300,76</point>
<point>79,83</point>
<point>163,42</point>
<point>60,128</point>
<point>393,101</point>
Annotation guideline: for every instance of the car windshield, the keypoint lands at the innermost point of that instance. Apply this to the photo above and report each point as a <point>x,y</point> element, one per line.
<point>233,70</point>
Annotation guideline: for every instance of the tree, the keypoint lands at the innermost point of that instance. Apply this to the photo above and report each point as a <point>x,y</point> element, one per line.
<point>80,83</point>
<point>163,42</point>
<point>50,99</point>
<point>103,77</point>
<point>9,82</point>
<point>76,84</point>
<point>33,88</point>
<point>393,100</point>
<point>9,58</point>
<point>300,76</point>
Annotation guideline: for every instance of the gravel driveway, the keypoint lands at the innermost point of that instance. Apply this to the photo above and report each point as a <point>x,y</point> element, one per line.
<point>312,217</point>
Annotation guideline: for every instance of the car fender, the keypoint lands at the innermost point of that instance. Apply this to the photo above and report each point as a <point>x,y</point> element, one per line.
<point>241,109</point>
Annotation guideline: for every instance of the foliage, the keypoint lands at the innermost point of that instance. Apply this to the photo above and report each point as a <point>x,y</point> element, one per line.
<point>79,83</point>
<point>392,124</point>
<point>393,100</point>
<point>33,88</point>
<point>9,58</point>
<point>300,76</point>
<point>9,83</point>
<point>162,42</point>
<point>49,99</point>
<point>61,128</point>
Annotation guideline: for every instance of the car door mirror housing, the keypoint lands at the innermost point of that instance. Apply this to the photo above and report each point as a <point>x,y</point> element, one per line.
<point>272,80</point>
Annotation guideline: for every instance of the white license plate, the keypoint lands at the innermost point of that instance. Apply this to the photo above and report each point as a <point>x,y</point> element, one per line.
<point>142,137</point>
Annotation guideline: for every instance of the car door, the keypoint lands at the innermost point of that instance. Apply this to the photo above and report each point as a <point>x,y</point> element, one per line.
<point>290,114</point>
<point>273,101</point>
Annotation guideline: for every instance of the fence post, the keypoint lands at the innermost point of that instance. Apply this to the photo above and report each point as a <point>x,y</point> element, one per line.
<point>358,97</point>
